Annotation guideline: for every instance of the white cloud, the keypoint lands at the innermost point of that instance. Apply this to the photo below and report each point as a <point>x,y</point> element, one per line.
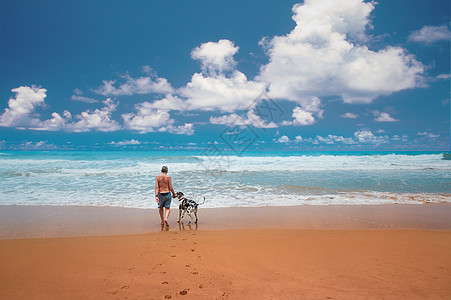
<point>283,139</point>
<point>40,145</point>
<point>150,118</point>
<point>140,85</point>
<point>329,139</point>
<point>221,92</point>
<point>126,142</point>
<point>251,118</point>
<point>428,134</point>
<point>443,76</point>
<point>367,137</point>
<point>169,102</point>
<point>215,89</point>
<point>83,99</point>
<point>363,137</point>
<point>187,129</point>
<point>21,114</point>
<point>349,115</point>
<point>301,117</point>
<point>332,139</point>
<point>78,96</point>
<point>216,56</point>
<point>20,108</point>
<point>318,57</point>
<point>403,138</point>
<point>383,117</point>
<point>431,34</point>
<point>56,123</point>
<point>99,119</point>
<point>147,118</point>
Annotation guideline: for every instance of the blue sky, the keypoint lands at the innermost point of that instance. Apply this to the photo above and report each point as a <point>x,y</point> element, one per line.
<point>261,75</point>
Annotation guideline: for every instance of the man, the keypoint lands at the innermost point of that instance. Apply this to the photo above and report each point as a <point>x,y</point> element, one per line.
<point>163,185</point>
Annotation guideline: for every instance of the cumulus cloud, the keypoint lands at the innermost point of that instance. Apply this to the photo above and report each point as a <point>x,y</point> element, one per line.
<point>250,118</point>
<point>126,142</point>
<point>99,119</point>
<point>147,118</point>
<point>330,139</point>
<point>221,92</point>
<point>216,56</point>
<point>383,117</point>
<point>283,139</point>
<point>431,34</point>
<point>301,117</point>
<point>319,57</point>
<point>20,111</point>
<point>131,86</point>
<point>219,86</point>
<point>187,129</point>
<point>150,117</point>
<point>56,123</point>
<point>362,137</point>
<point>367,137</point>
<point>40,145</point>
<point>349,115</point>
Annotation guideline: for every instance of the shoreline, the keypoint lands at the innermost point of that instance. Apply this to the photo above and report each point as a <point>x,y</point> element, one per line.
<point>18,222</point>
<point>325,252</point>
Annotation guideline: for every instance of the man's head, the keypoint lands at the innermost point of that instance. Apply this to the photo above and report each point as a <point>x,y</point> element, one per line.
<point>164,169</point>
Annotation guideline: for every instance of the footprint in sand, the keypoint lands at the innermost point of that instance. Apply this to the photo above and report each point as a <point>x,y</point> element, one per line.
<point>184,292</point>
<point>187,266</point>
<point>122,288</point>
<point>165,282</point>
<point>173,255</point>
<point>167,297</point>
<point>194,273</point>
<point>193,250</point>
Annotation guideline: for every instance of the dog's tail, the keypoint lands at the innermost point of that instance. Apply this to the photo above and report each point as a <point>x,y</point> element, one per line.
<point>202,201</point>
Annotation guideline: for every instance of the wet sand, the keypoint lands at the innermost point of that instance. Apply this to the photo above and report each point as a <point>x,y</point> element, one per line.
<point>328,252</point>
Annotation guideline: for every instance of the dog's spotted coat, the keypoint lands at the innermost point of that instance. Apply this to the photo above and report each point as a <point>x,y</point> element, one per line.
<point>187,206</point>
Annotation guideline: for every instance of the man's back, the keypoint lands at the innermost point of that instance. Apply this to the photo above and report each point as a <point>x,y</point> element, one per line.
<point>164,183</point>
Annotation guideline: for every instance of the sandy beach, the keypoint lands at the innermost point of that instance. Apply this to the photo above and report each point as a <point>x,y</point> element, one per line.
<point>306,252</point>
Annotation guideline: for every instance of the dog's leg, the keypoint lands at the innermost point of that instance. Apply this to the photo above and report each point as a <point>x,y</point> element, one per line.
<point>183,214</point>
<point>195,213</point>
<point>190,216</point>
<point>180,214</point>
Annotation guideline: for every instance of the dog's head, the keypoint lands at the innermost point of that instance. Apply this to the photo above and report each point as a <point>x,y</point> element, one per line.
<point>179,195</point>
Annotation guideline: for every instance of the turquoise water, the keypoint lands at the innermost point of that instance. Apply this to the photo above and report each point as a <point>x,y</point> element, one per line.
<point>126,178</point>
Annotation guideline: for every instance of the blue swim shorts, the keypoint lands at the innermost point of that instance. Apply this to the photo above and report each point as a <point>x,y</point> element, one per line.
<point>165,200</point>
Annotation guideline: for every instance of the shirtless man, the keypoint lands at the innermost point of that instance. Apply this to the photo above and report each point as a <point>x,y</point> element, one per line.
<point>163,185</point>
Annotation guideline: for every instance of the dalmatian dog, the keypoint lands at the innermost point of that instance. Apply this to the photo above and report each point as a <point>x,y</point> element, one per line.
<point>187,206</point>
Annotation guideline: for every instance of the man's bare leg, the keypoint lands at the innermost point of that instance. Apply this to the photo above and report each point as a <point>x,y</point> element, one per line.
<point>161,215</point>
<point>167,211</point>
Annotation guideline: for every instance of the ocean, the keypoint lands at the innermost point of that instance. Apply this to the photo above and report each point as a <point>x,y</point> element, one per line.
<point>126,178</point>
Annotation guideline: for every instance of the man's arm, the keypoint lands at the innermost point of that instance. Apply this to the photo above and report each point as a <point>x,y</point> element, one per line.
<point>171,189</point>
<point>157,188</point>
